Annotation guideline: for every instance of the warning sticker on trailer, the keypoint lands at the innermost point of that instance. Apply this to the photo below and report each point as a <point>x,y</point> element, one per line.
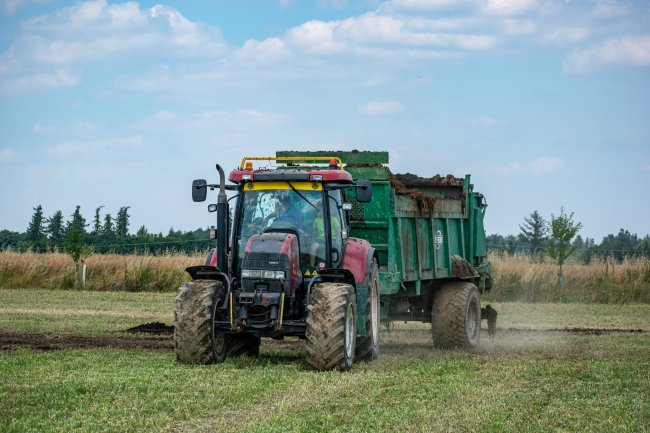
<point>437,239</point>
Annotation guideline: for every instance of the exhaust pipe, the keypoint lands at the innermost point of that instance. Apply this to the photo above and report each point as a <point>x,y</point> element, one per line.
<point>222,223</point>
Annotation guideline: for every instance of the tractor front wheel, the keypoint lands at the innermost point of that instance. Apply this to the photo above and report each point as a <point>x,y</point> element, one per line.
<point>192,317</point>
<point>331,327</point>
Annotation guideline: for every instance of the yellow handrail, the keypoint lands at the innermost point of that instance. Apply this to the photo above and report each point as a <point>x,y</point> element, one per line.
<point>290,158</point>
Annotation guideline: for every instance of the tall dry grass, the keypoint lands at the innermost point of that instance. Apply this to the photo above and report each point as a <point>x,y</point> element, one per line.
<point>110,272</point>
<point>516,277</point>
<point>519,278</point>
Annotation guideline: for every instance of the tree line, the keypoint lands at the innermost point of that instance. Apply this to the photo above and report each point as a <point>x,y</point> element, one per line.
<point>535,238</point>
<point>104,234</point>
<point>108,234</point>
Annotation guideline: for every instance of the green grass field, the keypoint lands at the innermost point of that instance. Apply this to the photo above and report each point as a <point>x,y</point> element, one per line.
<point>529,378</point>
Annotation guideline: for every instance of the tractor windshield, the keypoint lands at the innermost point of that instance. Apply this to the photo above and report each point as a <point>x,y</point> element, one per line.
<point>291,205</point>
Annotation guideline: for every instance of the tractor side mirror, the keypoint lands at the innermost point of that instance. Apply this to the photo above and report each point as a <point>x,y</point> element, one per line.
<point>199,190</point>
<point>364,191</point>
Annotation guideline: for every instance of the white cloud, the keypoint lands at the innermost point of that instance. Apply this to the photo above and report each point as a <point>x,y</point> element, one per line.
<point>610,8</point>
<point>316,37</point>
<point>381,107</point>
<point>566,36</point>
<point>516,27</point>
<point>96,30</point>
<point>7,154</point>
<point>509,7</point>
<point>627,50</point>
<point>373,34</point>
<point>39,81</point>
<point>269,50</point>
<point>422,5</point>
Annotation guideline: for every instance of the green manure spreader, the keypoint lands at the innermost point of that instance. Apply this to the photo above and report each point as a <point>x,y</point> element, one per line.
<point>324,246</point>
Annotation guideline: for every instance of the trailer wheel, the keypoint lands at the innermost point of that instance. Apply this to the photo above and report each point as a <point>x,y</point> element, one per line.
<point>192,330</point>
<point>456,316</point>
<point>368,346</point>
<point>331,327</point>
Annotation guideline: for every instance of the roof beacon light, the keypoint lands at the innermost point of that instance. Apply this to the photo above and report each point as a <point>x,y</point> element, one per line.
<point>333,163</point>
<point>249,166</point>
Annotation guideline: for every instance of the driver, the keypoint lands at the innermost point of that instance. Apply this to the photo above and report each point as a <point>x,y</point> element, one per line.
<point>286,212</point>
<point>318,245</point>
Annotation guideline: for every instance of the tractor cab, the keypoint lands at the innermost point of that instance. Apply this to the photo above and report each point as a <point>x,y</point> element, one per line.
<point>305,202</point>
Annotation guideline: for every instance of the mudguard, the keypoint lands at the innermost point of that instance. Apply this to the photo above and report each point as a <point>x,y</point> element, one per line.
<point>358,259</point>
<point>206,273</point>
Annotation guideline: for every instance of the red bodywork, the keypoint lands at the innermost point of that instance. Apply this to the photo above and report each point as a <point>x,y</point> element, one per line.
<point>356,258</point>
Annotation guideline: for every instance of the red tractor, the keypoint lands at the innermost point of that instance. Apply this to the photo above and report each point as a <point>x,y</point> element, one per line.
<point>283,266</point>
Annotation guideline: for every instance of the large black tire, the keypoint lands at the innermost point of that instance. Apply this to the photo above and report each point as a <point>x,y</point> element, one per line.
<point>456,316</point>
<point>331,327</point>
<point>368,346</point>
<point>192,330</point>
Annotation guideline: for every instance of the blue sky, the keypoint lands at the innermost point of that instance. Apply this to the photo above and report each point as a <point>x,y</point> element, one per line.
<point>545,103</point>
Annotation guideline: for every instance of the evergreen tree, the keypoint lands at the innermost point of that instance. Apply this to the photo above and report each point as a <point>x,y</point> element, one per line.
<point>534,231</point>
<point>35,232</point>
<point>97,224</point>
<point>108,232</point>
<point>122,223</point>
<point>563,230</point>
<point>56,231</point>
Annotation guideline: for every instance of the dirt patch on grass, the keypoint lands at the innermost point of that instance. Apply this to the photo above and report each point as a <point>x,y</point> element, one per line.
<point>155,328</point>
<point>67,341</point>
<point>160,338</point>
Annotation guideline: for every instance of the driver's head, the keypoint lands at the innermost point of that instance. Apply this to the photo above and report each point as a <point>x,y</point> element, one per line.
<point>285,201</point>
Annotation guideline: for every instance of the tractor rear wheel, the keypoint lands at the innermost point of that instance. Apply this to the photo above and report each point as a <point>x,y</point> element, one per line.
<point>331,327</point>
<point>192,315</point>
<point>456,316</point>
<point>368,346</point>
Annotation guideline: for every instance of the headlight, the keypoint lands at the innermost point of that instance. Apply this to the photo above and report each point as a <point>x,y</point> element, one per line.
<point>258,273</point>
<point>251,273</point>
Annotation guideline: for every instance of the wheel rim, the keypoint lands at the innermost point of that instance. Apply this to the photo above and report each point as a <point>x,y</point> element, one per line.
<point>374,313</point>
<point>472,322</point>
<point>220,342</point>
<point>349,332</point>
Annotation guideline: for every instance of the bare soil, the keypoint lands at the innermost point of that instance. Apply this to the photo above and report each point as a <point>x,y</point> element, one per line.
<point>53,341</point>
<point>160,338</point>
